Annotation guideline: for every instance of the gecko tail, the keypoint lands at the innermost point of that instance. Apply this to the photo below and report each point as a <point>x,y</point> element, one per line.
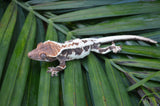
<point>124,37</point>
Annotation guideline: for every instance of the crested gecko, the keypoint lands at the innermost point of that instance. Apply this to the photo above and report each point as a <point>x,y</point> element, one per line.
<point>76,49</point>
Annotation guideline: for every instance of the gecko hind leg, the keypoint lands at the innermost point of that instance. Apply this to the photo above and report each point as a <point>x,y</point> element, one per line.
<point>55,70</point>
<point>107,49</point>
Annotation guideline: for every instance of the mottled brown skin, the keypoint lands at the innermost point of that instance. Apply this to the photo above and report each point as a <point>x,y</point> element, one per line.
<point>45,51</point>
<point>50,51</point>
<point>76,49</point>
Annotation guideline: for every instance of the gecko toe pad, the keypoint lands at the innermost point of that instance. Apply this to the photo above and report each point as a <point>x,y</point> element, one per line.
<point>53,71</point>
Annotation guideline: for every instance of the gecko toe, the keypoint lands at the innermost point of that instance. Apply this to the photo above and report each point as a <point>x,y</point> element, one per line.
<point>54,73</point>
<point>49,71</point>
<point>50,68</point>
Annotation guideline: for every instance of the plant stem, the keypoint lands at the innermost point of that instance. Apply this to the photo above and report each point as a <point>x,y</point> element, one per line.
<point>39,16</point>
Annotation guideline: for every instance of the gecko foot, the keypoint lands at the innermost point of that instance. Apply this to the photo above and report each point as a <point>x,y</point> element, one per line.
<point>53,71</point>
<point>115,48</point>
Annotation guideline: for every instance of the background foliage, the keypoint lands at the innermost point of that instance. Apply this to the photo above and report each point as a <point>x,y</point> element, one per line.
<point>131,77</point>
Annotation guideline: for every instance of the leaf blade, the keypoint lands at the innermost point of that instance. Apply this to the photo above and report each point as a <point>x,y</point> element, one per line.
<point>47,91</point>
<point>100,88</point>
<point>5,19</point>
<point>142,81</point>
<point>21,78</point>
<point>69,4</point>
<point>120,92</point>
<point>109,11</point>
<point>6,29</point>
<point>131,23</point>
<point>7,85</point>
<point>141,63</point>
<point>74,93</point>
<point>147,51</point>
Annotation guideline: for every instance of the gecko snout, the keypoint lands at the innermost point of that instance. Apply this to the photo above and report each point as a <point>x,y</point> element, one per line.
<point>30,55</point>
<point>34,55</point>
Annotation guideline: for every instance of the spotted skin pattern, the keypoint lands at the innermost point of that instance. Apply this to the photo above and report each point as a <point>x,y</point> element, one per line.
<point>76,49</point>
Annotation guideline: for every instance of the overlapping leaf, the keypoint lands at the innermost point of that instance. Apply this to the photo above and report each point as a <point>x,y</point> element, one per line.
<point>143,81</point>
<point>147,97</point>
<point>120,91</point>
<point>31,91</point>
<point>142,51</point>
<point>100,89</point>
<point>142,74</point>
<point>48,93</point>
<point>142,63</point>
<point>109,11</point>
<point>101,84</point>
<point>73,86</point>
<point>6,29</point>
<point>17,70</point>
<point>132,23</point>
<point>70,4</point>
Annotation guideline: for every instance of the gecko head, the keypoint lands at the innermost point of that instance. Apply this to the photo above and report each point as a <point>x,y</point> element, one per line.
<point>45,52</point>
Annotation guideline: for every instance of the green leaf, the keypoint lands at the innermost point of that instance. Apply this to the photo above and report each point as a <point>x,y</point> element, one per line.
<point>130,23</point>
<point>142,63</point>
<point>153,35</point>
<point>143,93</point>
<point>143,81</point>
<point>73,87</point>
<point>31,93</point>
<point>48,93</point>
<point>6,29</point>
<point>100,89</point>
<point>40,31</point>
<point>109,11</point>
<point>87,89</point>
<point>17,29</point>
<point>74,93</point>
<point>54,97</point>
<point>6,19</point>
<point>147,51</point>
<point>97,83</point>
<point>3,6</point>
<point>149,100</point>
<point>44,86</point>
<point>18,66</point>
<point>141,74</point>
<point>70,4</point>
<point>120,91</point>
<point>21,79</point>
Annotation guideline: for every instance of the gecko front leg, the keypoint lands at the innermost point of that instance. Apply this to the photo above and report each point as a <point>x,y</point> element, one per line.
<point>54,70</point>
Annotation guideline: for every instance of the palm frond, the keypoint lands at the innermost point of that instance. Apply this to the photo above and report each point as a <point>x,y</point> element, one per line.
<point>6,29</point>
<point>126,24</point>
<point>130,77</point>
<point>17,70</point>
<point>108,11</point>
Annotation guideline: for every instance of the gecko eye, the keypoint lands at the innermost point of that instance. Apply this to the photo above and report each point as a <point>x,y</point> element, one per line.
<point>43,55</point>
